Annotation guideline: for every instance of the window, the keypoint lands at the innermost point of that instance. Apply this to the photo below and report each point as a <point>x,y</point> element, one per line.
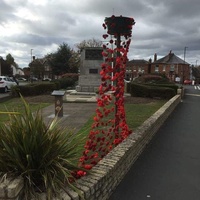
<point>171,68</point>
<point>157,68</point>
<point>164,68</point>
<point>93,71</point>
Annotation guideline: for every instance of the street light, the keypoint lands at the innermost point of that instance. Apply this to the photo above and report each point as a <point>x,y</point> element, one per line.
<point>30,65</point>
<point>184,64</point>
<point>185,53</point>
<point>196,62</point>
<point>31,54</point>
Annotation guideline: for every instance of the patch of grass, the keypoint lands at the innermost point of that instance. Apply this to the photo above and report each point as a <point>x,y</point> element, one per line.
<point>16,105</point>
<point>136,114</point>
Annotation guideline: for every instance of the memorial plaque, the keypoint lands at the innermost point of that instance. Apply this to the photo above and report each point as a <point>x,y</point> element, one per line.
<point>93,54</point>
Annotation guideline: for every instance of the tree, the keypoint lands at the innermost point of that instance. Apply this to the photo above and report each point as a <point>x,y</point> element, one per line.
<point>37,68</point>
<point>64,60</point>
<point>89,43</point>
<point>9,59</point>
<point>74,62</point>
<point>6,69</point>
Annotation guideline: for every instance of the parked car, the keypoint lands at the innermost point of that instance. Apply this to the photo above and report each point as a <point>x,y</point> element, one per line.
<point>46,79</point>
<point>33,79</point>
<point>187,82</point>
<point>6,83</point>
<point>21,79</point>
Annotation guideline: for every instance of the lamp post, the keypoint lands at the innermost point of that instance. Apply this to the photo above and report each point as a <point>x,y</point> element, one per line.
<point>30,65</point>
<point>185,48</point>
<point>31,55</point>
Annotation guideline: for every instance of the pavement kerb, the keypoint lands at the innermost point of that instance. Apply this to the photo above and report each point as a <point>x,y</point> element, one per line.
<point>108,173</point>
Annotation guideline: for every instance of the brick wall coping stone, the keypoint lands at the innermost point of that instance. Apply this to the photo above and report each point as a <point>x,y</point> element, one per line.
<point>108,173</point>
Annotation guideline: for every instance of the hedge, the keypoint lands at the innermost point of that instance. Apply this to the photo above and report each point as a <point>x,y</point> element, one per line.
<point>33,89</point>
<point>170,85</point>
<point>66,82</point>
<point>149,91</point>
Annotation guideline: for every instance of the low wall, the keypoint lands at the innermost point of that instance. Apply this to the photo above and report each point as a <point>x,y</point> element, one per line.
<point>108,173</point>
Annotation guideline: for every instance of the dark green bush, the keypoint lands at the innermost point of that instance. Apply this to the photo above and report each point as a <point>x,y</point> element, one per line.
<point>66,82</point>
<point>169,85</point>
<point>141,90</point>
<point>33,89</point>
<point>152,79</point>
<point>128,87</point>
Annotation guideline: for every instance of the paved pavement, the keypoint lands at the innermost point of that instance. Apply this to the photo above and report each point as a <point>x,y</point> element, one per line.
<point>75,115</point>
<point>169,168</point>
<point>77,109</point>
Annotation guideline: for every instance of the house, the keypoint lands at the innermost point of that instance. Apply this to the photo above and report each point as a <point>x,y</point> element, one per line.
<point>17,71</point>
<point>172,66</point>
<point>136,67</point>
<point>40,68</point>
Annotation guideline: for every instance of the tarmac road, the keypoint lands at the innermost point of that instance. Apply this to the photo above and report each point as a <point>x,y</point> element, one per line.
<point>169,168</point>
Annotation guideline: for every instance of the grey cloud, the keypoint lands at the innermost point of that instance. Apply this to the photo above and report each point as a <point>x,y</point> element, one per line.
<point>35,40</point>
<point>5,12</point>
<point>160,26</point>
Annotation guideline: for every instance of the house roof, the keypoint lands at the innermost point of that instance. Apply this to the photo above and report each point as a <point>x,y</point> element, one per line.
<point>171,58</point>
<point>40,60</point>
<point>136,62</point>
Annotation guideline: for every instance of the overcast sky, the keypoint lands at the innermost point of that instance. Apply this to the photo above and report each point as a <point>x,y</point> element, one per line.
<point>42,25</point>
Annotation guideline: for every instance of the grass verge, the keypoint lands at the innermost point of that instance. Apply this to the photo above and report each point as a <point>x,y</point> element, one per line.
<point>136,114</point>
<point>16,104</point>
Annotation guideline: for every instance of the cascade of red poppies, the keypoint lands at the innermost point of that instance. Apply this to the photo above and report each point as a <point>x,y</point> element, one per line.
<point>109,127</point>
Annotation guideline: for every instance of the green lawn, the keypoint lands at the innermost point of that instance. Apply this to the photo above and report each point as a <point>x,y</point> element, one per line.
<point>16,104</point>
<point>136,114</point>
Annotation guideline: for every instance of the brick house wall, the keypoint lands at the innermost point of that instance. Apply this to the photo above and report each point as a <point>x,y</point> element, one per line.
<point>134,68</point>
<point>170,65</point>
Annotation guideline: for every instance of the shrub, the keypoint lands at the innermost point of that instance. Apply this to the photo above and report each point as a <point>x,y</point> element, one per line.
<point>66,82</point>
<point>152,78</point>
<point>33,89</point>
<point>141,90</point>
<point>169,85</point>
<point>46,156</point>
<point>128,89</point>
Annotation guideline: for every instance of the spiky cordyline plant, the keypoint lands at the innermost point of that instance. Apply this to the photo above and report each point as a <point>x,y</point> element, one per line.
<point>45,156</point>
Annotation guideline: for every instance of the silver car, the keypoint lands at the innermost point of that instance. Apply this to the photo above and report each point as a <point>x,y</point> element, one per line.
<point>6,83</point>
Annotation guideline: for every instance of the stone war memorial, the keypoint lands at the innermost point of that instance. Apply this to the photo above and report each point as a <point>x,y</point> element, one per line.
<point>91,60</point>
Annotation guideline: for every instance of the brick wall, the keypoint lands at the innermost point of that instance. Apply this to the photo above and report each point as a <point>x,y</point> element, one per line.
<point>108,173</point>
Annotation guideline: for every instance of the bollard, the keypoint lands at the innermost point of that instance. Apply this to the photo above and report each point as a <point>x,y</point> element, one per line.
<point>58,102</point>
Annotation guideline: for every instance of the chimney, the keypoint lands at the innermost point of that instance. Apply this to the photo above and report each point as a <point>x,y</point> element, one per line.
<point>33,57</point>
<point>155,57</point>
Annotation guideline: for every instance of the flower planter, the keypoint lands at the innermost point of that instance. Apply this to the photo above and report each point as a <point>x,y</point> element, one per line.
<point>119,25</point>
